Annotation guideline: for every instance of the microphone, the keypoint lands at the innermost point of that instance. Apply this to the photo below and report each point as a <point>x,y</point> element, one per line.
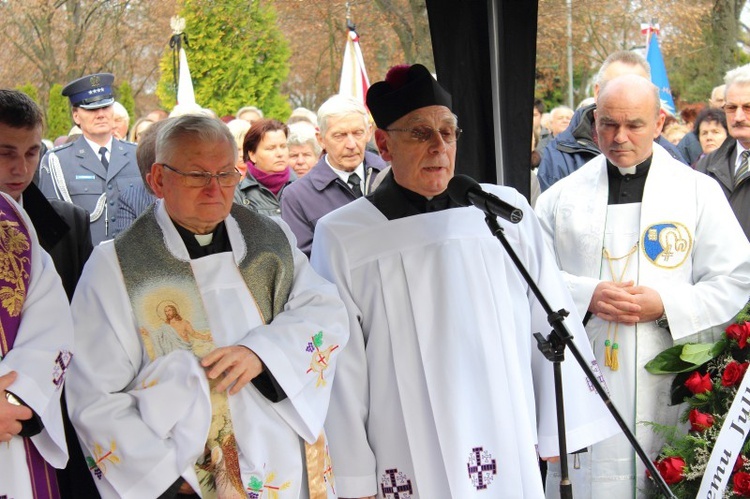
<point>466,191</point>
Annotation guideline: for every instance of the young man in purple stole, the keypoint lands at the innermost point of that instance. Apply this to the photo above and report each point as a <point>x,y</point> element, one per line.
<point>36,335</point>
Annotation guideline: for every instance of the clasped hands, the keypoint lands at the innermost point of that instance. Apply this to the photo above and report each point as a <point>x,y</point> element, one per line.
<point>625,303</point>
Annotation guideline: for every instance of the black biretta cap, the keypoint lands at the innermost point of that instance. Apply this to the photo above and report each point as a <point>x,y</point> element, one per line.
<point>405,89</point>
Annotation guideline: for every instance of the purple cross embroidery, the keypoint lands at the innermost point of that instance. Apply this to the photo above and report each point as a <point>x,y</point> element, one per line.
<point>482,468</point>
<point>61,366</point>
<point>395,485</point>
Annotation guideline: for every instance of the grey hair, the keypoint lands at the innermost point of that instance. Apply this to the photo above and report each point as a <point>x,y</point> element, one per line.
<point>339,105</point>
<point>248,108</point>
<point>558,109</point>
<point>302,133</point>
<point>625,57</point>
<point>196,127</point>
<point>740,75</point>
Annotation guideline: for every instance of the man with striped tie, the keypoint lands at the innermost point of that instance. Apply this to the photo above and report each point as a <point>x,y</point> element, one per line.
<point>728,165</point>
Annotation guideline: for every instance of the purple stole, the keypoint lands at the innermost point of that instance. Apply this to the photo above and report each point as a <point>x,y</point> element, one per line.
<point>15,257</point>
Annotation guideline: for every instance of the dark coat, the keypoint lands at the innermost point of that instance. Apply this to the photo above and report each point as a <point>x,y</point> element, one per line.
<point>87,179</point>
<point>575,146</point>
<point>64,232</point>
<point>318,193</point>
<point>254,195</point>
<point>719,165</point>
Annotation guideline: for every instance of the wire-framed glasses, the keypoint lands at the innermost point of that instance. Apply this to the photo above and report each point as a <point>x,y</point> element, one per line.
<point>202,179</point>
<point>423,133</point>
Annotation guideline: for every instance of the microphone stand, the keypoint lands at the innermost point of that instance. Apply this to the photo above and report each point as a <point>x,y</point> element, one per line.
<point>553,348</point>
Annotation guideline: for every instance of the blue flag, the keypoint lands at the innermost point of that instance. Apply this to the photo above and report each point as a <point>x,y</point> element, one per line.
<point>659,73</point>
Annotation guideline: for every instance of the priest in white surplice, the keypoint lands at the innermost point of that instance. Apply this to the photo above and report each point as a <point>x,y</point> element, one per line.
<point>36,338</point>
<point>207,343</point>
<point>441,392</point>
<point>651,250</point>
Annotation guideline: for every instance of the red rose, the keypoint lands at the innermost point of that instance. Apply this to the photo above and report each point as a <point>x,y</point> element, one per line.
<point>741,481</point>
<point>733,373</point>
<point>671,469</point>
<point>698,383</point>
<point>700,421</point>
<point>739,463</point>
<point>739,333</point>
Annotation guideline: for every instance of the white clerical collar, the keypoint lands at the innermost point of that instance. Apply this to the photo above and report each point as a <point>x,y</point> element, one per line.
<point>344,175</point>
<point>740,150</point>
<point>204,239</point>
<point>95,147</point>
<point>627,171</point>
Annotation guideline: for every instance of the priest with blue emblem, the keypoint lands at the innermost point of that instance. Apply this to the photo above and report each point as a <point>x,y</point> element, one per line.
<point>653,256</point>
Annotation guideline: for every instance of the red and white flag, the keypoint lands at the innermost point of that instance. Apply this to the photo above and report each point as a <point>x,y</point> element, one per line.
<point>354,81</point>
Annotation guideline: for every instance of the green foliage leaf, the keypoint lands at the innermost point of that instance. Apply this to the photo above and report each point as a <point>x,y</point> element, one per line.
<point>669,362</point>
<point>698,353</point>
<point>59,120</point>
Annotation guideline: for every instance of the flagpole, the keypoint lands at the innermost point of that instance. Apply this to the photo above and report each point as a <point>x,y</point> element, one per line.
<point>354,81</point>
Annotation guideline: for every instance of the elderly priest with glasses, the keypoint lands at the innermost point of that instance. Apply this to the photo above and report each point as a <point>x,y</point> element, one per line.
<point>441,391</point>
<point>207,356</point>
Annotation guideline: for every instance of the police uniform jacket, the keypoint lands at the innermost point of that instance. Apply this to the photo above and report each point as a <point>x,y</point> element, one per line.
<point>87,179</point>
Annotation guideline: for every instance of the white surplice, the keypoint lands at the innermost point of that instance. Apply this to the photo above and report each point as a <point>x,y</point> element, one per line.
<point>441,392</point>
<point>45,335</point>
<point>153,442</point>
<point>690,249</point>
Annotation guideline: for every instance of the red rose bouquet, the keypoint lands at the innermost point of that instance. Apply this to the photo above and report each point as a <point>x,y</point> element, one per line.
<point>707,377</point>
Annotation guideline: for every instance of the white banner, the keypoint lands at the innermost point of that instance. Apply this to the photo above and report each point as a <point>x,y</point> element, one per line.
<point>728,445</point>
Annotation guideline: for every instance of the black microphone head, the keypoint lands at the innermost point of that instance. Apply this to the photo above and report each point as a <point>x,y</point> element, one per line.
<point>459,187</point>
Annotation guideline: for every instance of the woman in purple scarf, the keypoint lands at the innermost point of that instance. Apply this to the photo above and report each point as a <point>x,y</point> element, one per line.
<point>267,156</point>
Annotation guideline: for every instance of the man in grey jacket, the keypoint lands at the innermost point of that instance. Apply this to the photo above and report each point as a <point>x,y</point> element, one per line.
<point>728,165</point>
<point>344,173</point>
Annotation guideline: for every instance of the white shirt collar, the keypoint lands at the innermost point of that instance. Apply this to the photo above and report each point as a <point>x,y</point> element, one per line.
<point>95,147</point>
<point>359,170</point>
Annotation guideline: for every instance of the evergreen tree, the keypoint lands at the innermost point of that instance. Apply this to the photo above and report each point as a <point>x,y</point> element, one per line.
<point>59,119</point>
<point>124,95</point>
<point>30,90</point>
<point>237,57</point>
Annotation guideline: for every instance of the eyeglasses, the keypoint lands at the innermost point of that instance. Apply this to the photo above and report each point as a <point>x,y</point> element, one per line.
<point>424,133</point>
<point>203,179</point>
<point>731,109</point>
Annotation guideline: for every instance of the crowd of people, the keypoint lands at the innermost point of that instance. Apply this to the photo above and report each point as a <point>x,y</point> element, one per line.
<point>240,307</point>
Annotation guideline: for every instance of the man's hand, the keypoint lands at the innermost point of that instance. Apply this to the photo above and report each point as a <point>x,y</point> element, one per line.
<point>615,302</point>
<point>186,489</point>
<point>11,415</point>
<point>650,302</point>
<point>237,364</point>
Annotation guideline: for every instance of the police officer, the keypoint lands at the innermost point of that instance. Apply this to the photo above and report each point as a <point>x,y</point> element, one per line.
<point>92,171</point>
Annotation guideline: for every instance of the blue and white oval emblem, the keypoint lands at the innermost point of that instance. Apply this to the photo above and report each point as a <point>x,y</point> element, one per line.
<point>667,244</point>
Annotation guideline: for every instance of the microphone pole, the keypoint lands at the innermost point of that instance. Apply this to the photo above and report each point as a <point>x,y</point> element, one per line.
<point>553,348</point>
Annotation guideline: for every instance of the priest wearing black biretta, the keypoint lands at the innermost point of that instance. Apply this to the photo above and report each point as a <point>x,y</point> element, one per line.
<point>441,391</point>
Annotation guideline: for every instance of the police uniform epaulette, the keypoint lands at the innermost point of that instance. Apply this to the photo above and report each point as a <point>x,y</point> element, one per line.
<point>128,142</point>
<point>61,147</point>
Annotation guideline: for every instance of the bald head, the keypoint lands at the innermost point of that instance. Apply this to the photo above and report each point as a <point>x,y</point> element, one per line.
<point>628,119</point>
